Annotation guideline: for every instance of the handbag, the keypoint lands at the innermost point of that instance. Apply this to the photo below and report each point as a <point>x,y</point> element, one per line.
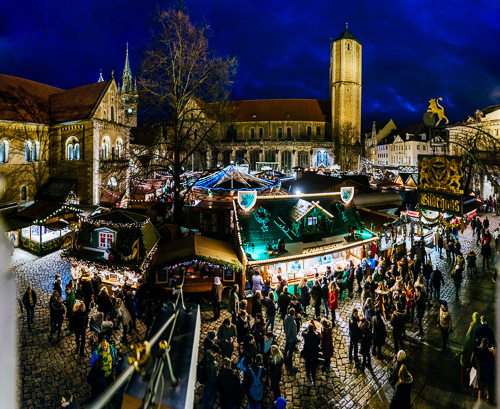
<point>240,365</point>
<point>473,377</point>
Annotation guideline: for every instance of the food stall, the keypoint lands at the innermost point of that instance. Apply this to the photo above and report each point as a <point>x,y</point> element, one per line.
<point>118,244</point>
<point>298,236</point>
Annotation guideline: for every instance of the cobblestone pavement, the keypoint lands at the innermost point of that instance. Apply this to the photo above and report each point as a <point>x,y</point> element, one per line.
<point>436,374</point>
<point>46,369</point>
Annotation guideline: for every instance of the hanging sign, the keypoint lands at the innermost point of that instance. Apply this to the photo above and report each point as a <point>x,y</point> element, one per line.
<point>346,194</point>
<point>247,199</point>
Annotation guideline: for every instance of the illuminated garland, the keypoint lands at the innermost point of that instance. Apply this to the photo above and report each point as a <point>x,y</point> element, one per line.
<point>60,210</point>
<point>194,259</point>
<point>105,223</point>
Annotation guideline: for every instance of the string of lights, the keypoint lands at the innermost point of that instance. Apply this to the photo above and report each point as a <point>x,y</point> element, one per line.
<point>62,209</point>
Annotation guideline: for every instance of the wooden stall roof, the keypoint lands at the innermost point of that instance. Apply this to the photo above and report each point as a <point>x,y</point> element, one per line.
<point>196,245</point>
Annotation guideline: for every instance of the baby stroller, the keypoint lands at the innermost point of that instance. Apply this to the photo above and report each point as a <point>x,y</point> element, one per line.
<point>99,327</point>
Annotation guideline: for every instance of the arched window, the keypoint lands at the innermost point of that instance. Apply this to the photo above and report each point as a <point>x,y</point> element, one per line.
<point>72,148</point>
<point>303,159</point>
<point>280,133</point>
<point>348,46</point>
<point>119,148</point>
<point>77,151</point>
<point>270,155</point>
<point>252,133</point>
<point>70,152</point>
<point>231,133</point>
<point>27,151</point>
<point>318,131</point>
<point>105,148</point>
<point>286,160</point>
<point>261,133</point>
<point>322,159</point>
<point>36,152</point>
<point>308,131</point>
<point>254,158</point>
<point>4,152</point>
<point>289,133</point>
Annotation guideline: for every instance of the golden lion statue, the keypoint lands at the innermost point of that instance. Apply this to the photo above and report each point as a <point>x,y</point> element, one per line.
<point>437,109</point>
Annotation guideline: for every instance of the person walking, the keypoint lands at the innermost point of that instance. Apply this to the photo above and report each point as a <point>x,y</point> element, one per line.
<point>447,249</point>
<point>366,342</point>
<point>457,275</point>
<point>257,282</point>
<point>305,297</point>
<point>437,280</point>
<point>440,245</point>
<point>298,311</point>
<point>398,322</point>
<point>310,351</point>
<point>256,304</point>
<point>316,298</point>
<point>284,301</point>
<point>270,310</point>
<point>486,251</point>
<point>436,240</point>
<point>216,294</point>
<point>29,302</point>
<point>275,370</point>
<point>70,302</point>
<point>87,289</point>
<point>402,392</point>
<point>420,306</point>
<point>445,323</point>
<point>427,271</point>
<point>57,317</point>
<point>325,295</point>
<point>398,361</point>
<point>80,324</point>
<point>326,343</point>
<point>123,316</point>
<point>410,302</point>
<point>333,300</point>
<point>96,284</point>
<point>369,309</point>
<point>228,385</point>
<point>354,336</point>
<point>359,277</point>
<point>209,387</point>
<point>104,303</point>
<point>484,361</point>
<point>471,263</point>
<point>242,327</point>
<point>379,334</point>
<point>227,335</point>
<point>290,337</point>
<point>468,350</point>
<point>233,305</point>
<point>252,380</point>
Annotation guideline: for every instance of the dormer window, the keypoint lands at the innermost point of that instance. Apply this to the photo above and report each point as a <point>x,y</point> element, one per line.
<point>424,136</point>
<point>407,136</point>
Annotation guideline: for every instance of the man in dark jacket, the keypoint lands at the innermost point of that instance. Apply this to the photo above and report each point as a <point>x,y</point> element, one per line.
<point>256,367</point>
<point>379,334</point>
<point>325,295</point>
<point>216,295</point>
<point>484,331</point>
<point>398,322</point>
<point>96,285</point>
<point>284,301</point>
<point>290,328</point>
<point>87,289</point>
<point>310,351</point>
<point>354,336</point>
<point>484,361</point>
<point>436,281</point>
<point>298,311</point>
<point>270,310</point>
<point>420,305</point>
<point>210,383</point>
<point>57,314</point>
<point>366,342</point>
<point>29,302</point>
<point>228,384</point>
<point>80,323</point>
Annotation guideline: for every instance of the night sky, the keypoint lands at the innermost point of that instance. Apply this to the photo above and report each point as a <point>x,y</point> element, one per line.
<point>413,50</point>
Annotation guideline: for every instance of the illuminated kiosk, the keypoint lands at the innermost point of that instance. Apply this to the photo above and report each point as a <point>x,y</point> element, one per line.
<point>297,236</point>
<point>118,244</point>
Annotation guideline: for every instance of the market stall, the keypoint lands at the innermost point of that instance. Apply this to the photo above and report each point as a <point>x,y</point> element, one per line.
<point>118,244</point>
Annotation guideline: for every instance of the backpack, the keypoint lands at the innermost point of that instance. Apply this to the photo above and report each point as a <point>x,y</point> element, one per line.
<point>201,371</point>
<point>256,389</point>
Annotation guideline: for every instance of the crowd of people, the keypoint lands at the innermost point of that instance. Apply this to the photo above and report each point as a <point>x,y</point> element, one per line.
<point>394,294</point>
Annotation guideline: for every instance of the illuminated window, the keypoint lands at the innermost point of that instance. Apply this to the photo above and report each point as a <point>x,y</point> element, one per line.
<point>106,240</point>
<point>72,148</point>
<point>119,148</point>
<point>4,152</point>
<point>105,148</point>
<point>27,151</point>
<point>312,221</point>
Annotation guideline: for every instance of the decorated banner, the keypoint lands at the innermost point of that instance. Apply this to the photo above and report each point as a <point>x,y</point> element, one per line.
<point>247,199</point>
<point>440,185</point>
<point>346,194</point>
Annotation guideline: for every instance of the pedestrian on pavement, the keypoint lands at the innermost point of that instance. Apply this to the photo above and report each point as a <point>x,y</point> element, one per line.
<point>437,280</point>
<point>96,284</point>
<point>216,295</point>
<point>326,343</point>
<point>349,279</point>
<point>310,351</point>
<point>440,245</point>
<point>275,370</point>
<point>447,248</point>
<point>57,317</point>
<point>484,361</point>
<point>379,334</point>
<point>316,298</point>
<point>333,302</point>
<point>398,322</point>
<point>420,306</point>
<point>87,289</point>
<point>97,379</point>
<point>402,392</point>
<point>436,240</point>
<point>284,301</point>
<point>256,304</point>
<point>242,326</point>
<point>366,342</point>
<point>359,277</point>
<point>457,275</point>
<point>29,302</point>
<point>104,303</point>
<point>460,261</point>
<point>291,340</point>
<point>354,336</point>
<point>128,300</point>
<point>280,287</point>
<point>228,385</point>
<point>233,305</point>
<point>123,316</point>
<point>227,335</point>
<point>211,379</point>
<point>445,323</point>
<point>398,361</point>
<point>67,400</point>
<point>305,298</point>
<point>427,271</point>
<point>270,306</point>
<point>298,311</point>
<point>484,331</point>
<point>471,262</point>
<point>107,352</point>
<point>369,309</point>
<point>468,350</point>
<point>486,251</point>
<point>486,223</point>
<point>58,284</point>
<point>80,323</point>
<point>254,375</point>
<point>410,301</point>
<point>70,303</point>
<point>325,295</point>
<point>259,330</point>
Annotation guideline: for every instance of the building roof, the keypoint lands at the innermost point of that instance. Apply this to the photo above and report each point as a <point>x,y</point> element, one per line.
<point>57,189</point>
<point>311,182</point>
<point>389,139</point>
<point>23,100</point>
<point>346,35</point>
<point>77,103</point>
<point>414,131</point>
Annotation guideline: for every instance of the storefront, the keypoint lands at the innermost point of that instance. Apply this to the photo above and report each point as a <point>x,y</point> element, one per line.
<point>298,236</point>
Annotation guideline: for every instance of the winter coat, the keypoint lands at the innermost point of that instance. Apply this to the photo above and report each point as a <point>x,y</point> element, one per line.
<point>484,331</point>
<point>216,292</point>
<point>275,371</point>
<point>366,340</point>
<point>440,242</point>
<point>258,331</point>
<point>228,384</point>
<point>242,329</point>
<point>96,285</point>
<point>420,299</point>
<point>305,297</point>
<point>427,271</point>
<point>279,288</point>
<point>394,373</point>
<point>486,250</point>
<point>26,299</point>
<point>211,370</point>
<point>325,294</point>
<point>484,361</point>
<point>233,306</point>
<point>80,321</point>
<point>437,279</point>
<point>104,303</point>
<point>97,382</point>
<point>270,307</point>
<point>402,398</point>
<point>57,312</point>
<point>379,331</point>
<point>471,260</point>
<point>70,300</point>
<point>87,287</point>
<point>248,378</point>
<point>410,298</point>
<point>458,248</point>
<point>257,282</point>
<point>311,345</point>
<point>457,274</point>
<point>297,307</point>
<point>334,300</point>
<point>398,321</point>
<point>316,296</point>
<point>354,333</point>
<point>444,319</point>
<point>256,306</point>
<point>56,286</point>
<point>283,301</point>
<point>122,312</point>
<point>327,342</point>
<point>290,329</point>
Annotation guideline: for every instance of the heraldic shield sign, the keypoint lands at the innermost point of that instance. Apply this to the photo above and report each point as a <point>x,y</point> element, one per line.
<point>247,199</point>
<point>346,194</point>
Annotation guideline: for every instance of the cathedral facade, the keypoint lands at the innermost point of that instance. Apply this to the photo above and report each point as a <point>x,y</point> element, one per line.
<point>298,132</point>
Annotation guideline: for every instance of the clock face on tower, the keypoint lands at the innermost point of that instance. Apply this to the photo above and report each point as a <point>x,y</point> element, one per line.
<point>130,110</point>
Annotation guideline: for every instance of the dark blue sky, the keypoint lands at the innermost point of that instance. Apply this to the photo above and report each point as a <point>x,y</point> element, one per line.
<point>413,50</point>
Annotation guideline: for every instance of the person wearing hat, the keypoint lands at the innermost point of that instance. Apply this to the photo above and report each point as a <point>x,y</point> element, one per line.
<point>399,361</point>
<point>280,403</point>
<point>445,323</point>
<point>216,294</point>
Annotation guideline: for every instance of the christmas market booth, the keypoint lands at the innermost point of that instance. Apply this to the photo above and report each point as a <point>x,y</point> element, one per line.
<point>297,236</point>
<point>203,259</point>
<point>118,244</point>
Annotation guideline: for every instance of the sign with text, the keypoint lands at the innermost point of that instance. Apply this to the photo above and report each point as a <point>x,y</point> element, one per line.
<point>325,248</point>
<point>440,186</point>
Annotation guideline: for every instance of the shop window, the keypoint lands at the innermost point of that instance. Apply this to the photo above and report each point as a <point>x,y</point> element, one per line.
<point>106,240</point>
<point>312,221</point>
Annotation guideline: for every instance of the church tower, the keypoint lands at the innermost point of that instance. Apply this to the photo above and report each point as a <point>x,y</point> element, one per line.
<point>345,82</point>
<point>129,93</point>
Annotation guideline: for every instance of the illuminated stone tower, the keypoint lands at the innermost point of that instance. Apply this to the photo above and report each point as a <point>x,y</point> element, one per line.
<point>345,82</point>
<point>129,94</point>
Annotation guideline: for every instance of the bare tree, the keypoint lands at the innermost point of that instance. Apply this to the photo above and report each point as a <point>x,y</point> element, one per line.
<point>181,79</point>
<point>347,146</point>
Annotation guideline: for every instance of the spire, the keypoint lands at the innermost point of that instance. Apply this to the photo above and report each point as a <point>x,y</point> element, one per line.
<point>100,76</point>
<point>127,87</point>
<point>346,25</point>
